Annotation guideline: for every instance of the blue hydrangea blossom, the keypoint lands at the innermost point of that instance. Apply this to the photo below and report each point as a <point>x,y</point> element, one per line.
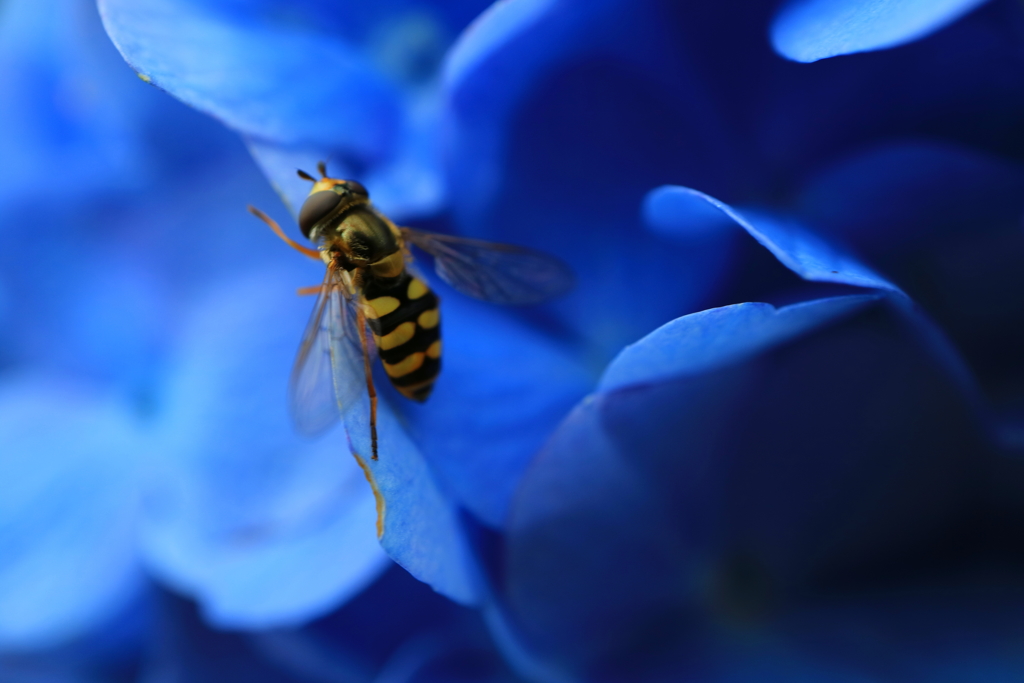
<point>773,434</point>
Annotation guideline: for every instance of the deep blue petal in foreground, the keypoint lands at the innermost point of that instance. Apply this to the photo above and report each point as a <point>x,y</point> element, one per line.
<point>679,523</point>
<point>262,527</point>
<point>809,30</point>
<point>70,465</point>
<point>944,223</point>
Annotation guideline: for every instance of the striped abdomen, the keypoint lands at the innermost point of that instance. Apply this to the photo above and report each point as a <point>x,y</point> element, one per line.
<point>403,315</point>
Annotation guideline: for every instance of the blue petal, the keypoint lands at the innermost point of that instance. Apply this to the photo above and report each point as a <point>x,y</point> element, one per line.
<point>498,25</point>
<point>391,614</point>
<point>492,362</point>
<point>944,222</point>
<point>671,209</point>
<point>263,80</point>
<point>809,30</point>
<point>710,339</point>
<point>889,197</point>
<point>528,72</point>
<point>62,100</point>
<point>674,523</point>
<point>261,526</point>
<point>356,88</point>
<point>418,523</point>
<point>70,464</point>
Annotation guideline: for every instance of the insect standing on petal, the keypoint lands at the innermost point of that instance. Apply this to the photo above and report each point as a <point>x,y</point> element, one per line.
<point>369,286</point>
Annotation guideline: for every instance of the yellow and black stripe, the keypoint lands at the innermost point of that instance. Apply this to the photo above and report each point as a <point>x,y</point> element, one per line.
<point>403,315</point>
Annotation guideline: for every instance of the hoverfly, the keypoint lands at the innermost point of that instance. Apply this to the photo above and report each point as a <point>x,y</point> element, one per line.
<point>369,284</point>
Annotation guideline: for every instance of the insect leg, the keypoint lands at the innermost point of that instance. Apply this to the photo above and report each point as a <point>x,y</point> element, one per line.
<point>361,321</point>
<point>309,291</point>
<point>311,253</point>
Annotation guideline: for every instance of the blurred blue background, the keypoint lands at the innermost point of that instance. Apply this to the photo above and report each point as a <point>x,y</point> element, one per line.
<point>774,434</point>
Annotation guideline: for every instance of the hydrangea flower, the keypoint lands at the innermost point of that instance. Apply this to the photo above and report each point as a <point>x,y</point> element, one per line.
<point>773,434</point>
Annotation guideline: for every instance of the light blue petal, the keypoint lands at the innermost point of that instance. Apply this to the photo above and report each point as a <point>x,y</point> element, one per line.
<point>66,95</point>
<point>418,522</point>
<point>69,462</point>
<point>702,341</point>
<point>271,577</point>
<point>262,527</point>
<point>809,30</point>
<point>680,210</point>
<point>302,92</point>
<point>503,389</point>
<point>268,81</point>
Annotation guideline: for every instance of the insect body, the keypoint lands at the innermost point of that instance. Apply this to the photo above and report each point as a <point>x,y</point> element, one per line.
<point>368,285</point>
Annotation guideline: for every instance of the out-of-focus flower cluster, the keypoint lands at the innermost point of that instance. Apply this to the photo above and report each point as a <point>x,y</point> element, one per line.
<point>774,434</point>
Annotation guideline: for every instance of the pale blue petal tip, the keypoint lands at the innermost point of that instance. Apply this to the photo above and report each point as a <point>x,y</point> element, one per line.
<point>673,210</point>
<point>809,30</point>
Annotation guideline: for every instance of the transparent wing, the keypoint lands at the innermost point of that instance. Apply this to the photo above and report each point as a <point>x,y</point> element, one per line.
<point>328,373</point>
<point>500,273</point>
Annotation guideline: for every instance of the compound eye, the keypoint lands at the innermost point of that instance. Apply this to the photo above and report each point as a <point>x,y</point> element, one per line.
<point>356,187</point>
<point>315,208</point>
